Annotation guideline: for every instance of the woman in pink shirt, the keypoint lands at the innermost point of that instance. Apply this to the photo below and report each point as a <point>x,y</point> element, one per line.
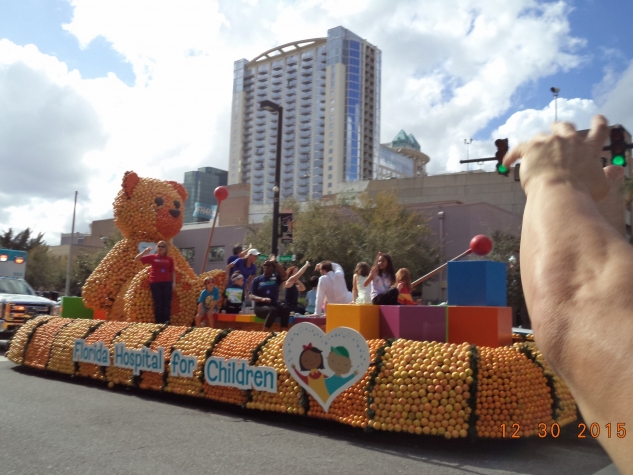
<point>162,279</point>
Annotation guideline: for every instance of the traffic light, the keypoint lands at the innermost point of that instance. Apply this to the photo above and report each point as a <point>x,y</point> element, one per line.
<point>618,146</point>
<point>502,149</point>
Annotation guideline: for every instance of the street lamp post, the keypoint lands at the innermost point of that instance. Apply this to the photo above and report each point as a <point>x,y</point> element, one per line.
<point>555,91</point>
<point>273,107</point>
<point>467,142</point>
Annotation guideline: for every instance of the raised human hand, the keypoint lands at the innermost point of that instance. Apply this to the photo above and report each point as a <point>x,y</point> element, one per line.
<point>564,157</point>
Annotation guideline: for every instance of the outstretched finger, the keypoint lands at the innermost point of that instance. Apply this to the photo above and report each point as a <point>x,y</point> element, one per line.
<point>564,129</point>
<point>598,133</point>
<point>514,154</point>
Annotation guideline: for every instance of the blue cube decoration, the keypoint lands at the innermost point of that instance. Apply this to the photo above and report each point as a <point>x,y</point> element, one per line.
<point>477,283</point>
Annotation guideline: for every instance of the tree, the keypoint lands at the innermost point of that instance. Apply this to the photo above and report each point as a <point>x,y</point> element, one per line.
<point>44,271</point>
<point>350,233</point>
<point>21,241</point>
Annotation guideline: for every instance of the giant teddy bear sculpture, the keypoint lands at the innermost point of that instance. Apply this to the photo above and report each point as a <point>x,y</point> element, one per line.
<point>145,210</point>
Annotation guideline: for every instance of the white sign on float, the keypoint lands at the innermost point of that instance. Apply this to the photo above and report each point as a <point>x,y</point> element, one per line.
<point>182,366</point>
<point>139,360</point>
<point>325,365</point>
<point>237,373</point>
<point>96,353</point>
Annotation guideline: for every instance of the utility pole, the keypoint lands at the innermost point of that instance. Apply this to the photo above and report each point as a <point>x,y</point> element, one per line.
<point>70,249</point>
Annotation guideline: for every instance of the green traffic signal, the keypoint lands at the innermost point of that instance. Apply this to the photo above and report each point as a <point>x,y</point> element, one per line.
<point>502,149</point>
<point>502,169</point>
<point>618,146</point>
<point>618,160</point>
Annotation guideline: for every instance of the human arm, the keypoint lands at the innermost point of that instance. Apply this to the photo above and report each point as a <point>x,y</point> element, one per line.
<point>355,288</point>
<point>253,294</point>
<point>337,269</point>
<point>228,271</point>
<point>299,375</point>
<point>370,277</point>
<point>144,252</point>
<point>244,253</point>
<point>292,280</point>
<point>577,275</point>
<point>200,309</point>
<point>278,266</point>
<point>301,287</point>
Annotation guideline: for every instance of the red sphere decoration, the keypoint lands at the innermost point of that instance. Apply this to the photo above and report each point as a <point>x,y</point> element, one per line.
<point>221,193</point>
<point>481,245</point>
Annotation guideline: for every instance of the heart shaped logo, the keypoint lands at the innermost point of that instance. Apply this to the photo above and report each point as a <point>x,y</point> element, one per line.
<point>325,365</point>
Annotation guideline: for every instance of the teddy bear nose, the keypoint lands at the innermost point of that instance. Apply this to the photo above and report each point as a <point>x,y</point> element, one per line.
<point>174,212</point>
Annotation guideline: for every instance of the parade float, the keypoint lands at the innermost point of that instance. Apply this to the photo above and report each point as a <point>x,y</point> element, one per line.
<point>453,371</point>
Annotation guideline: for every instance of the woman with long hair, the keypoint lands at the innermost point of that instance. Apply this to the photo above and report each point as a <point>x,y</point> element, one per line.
<point>293,286</point>
<point>382,277</point>
<point>360,293</point>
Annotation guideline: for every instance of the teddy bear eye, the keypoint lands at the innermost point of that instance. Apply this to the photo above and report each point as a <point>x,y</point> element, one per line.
<point>159,201</point>
<point>177,204</point>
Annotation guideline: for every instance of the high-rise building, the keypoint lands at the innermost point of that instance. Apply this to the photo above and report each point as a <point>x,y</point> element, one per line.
<point>329,89</point>
<point>200,185</point>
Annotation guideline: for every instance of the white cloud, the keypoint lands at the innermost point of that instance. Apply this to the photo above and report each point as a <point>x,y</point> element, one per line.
<point>449,68</point>
<point>618,102</point>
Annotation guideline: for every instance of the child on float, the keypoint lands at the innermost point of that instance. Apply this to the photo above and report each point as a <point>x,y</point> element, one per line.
<point>382,277</point>
<point>311,295</point>
<point>403,284</point>
<point>207,304</point>
<point>361,293</point>
<point>234,294</point>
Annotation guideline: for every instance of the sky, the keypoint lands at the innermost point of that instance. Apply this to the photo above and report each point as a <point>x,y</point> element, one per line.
<point>92,88</point>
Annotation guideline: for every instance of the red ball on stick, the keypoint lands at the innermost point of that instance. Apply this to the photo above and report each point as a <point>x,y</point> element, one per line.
<point>481,245</point>
<point>221,193</point>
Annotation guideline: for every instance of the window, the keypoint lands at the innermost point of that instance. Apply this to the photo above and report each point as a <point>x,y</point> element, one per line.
<point>329,177</point>
<point>216,254</point>
<point>331,142</point>
<point>330,151</point>
<point>330,159</point>
<point>331,118</point>
<point>329,185</point>
<point>331,134</point>
<point>331,101</point>
<point>331,126</point>
<point>188,253</point>
<point>329,167</point>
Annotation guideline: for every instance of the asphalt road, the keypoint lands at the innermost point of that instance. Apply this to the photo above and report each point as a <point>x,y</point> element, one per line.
<point>50,424</point>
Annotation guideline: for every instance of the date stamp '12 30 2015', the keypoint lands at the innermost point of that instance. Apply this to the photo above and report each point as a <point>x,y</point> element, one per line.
<point>584,431</point>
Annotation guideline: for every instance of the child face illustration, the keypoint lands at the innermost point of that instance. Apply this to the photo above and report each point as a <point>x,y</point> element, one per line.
<point>339,364</point>
<point>311,360</point>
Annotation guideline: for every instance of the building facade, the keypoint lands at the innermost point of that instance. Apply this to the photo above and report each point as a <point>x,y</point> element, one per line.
<point>329,89</point>
<point>401,158</point>
<point>200,185</point>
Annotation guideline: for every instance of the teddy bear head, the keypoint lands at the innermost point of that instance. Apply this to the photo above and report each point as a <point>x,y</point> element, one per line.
<point>148,209</point>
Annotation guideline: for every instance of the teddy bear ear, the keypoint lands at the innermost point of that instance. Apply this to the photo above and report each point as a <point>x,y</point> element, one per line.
<point>180,189</point>
<point>130,180</point>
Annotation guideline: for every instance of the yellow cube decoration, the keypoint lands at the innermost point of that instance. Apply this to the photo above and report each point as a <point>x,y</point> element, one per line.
<point>244,318</point>
<point>365,319</point>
